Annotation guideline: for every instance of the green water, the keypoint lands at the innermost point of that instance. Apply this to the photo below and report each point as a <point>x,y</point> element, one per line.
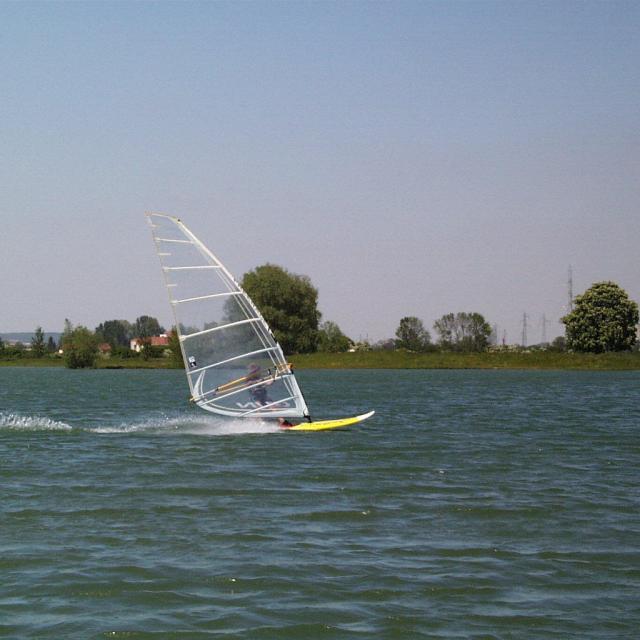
<point>475,504</point>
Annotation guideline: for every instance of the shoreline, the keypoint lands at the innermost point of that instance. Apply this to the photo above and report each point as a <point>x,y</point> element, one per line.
<point>533,360</point>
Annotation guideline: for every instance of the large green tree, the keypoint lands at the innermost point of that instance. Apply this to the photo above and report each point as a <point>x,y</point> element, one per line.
<point>331,338</point>
<point>412,335</point>
<point>463,332</point>
<point>603,319</point>
<point>80,348</point>
<point>117,333</point>
<point>147,326</point>
<point>289,304</point>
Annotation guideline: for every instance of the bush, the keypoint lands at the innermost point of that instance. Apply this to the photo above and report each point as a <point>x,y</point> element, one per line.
<point>125,353</point>
<point>80,349</point>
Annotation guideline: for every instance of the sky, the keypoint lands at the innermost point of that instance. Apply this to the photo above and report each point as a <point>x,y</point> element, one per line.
<point>411,158</point>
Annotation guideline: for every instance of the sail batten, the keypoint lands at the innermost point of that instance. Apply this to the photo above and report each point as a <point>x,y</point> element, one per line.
<point>233,363</point>
<point>218,328</point>
<point>242,355</point>
<point>228,394</point>
<point>268,405</point>
<point>172,240</point>
<point>208,297</point>
<point>206,266</point>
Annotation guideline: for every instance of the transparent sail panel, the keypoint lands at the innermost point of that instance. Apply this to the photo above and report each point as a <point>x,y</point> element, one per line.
<point>233,363</point>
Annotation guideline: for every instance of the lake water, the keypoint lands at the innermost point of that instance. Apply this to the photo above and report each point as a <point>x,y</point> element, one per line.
<point>475,504</point>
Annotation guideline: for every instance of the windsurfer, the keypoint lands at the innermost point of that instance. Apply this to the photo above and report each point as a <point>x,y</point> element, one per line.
<point>284,423</point>
<point>254,376</point>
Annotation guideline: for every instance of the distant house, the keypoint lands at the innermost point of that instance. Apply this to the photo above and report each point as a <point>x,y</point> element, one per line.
<point>105,349</point>
<point>137,344</point>
<point>160,341</point>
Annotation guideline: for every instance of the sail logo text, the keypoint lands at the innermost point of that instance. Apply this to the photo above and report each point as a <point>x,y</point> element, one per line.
<point>255,405</point>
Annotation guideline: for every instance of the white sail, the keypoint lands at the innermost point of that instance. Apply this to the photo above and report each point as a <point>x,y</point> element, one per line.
<point>233,363</point>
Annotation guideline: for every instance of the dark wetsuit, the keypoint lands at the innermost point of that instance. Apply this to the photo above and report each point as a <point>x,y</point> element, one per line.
<point>259,394</point>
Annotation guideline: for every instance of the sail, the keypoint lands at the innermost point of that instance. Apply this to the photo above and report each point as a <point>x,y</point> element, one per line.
<point>233,363</point>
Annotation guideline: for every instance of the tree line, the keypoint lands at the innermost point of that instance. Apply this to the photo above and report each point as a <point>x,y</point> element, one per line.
<point>288,303</point>
<point>456,332</point>
<point>603,319</point>
<point>79,345</point>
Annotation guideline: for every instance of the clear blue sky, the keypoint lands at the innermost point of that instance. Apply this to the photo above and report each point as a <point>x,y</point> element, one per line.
<point>410,158</point>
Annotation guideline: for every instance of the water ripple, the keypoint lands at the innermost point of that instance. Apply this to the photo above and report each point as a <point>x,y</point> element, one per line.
<point>475,504</point>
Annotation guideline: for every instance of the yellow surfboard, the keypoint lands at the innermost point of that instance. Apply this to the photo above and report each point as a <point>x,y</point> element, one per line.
<point>321,425</point>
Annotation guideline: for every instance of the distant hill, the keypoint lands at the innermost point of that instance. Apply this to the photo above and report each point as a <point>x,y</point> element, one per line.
<point>25,336</point>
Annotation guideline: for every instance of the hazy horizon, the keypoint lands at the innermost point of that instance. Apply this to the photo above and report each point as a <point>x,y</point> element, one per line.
<point>411,158</point>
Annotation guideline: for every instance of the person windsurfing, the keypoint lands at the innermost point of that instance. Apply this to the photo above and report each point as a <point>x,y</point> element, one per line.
<point>258,393</point>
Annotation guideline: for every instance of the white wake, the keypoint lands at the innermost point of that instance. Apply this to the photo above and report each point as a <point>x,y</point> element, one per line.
<point>200,425</point>
<point>191,425</point>
<point>18,422</point>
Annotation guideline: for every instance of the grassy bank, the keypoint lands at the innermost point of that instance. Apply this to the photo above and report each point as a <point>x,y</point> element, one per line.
<point>102,363</point>
<point>31,362</point>
<point>136,363</point>
<point>397,360</point>
<point>531,360</point>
